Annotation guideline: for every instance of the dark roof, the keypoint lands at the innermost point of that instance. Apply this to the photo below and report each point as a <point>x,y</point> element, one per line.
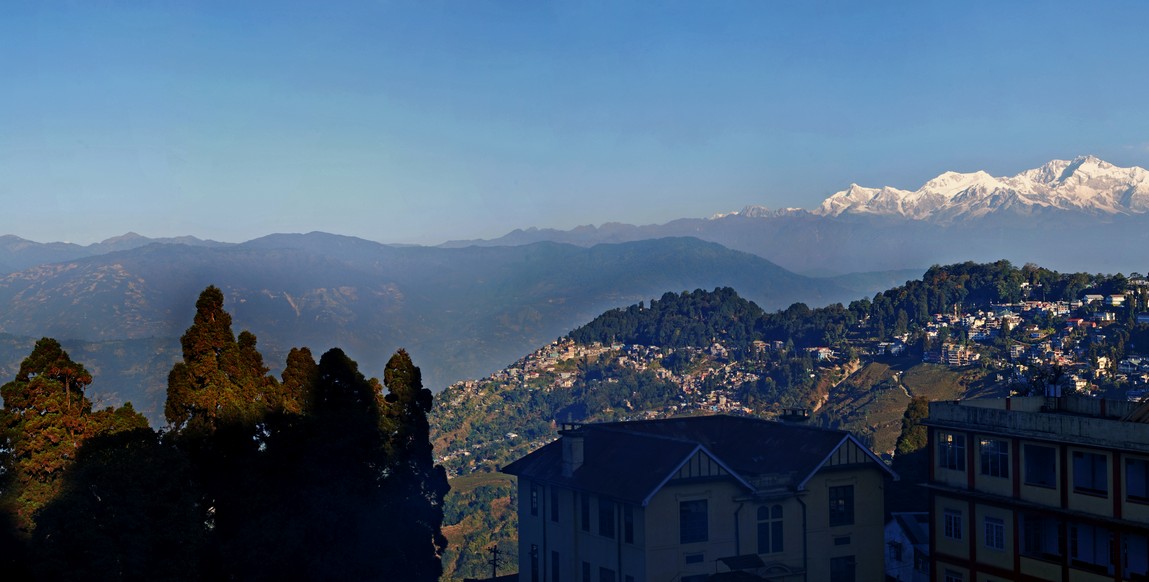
<point>631,460</point>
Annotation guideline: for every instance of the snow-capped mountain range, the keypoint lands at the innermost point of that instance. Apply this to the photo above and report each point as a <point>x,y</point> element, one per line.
<point>1086,184</point>
<point>1077,215</point>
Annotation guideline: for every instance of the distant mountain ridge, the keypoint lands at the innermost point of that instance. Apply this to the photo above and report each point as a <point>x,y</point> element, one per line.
<point>1050,215</point>
<point>460,312</point>
<point>17,254</point>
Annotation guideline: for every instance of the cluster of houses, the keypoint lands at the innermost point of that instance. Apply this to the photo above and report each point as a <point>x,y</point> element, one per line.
<point>1041,487</point>
<point>1064,347</point>
<point>1030,488</point>
<point>1061,349</point>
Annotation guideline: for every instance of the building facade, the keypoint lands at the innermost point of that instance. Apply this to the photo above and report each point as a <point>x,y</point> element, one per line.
<point>686,499</point>
<point>1038,488</point>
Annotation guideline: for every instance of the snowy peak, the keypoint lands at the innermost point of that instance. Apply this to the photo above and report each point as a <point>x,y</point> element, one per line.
<point>950,184</point>
<point>758,211</point>
<point>1084,184</point>
<point>860,200</point>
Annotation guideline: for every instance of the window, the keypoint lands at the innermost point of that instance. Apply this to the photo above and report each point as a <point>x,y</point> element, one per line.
<point>555,568</point>
<point>769,529</point>
<point>842,540</point>
<point>628,524</point>
<point>994,533</point>
<point>952,576</point>
<point>896,551</point>
<point>605,517</point>
<point>697,558</point>
<point>693,521</point>
<point>534,499</point>
<point>554,504</point>
<point>952,524</point>
<point>842,569</point>
<point>921,562</point>
<point>1135,553</point>
<point>586,572</point>
<point>994,457</point>
<point>951,451</point>
<point>584,512</point>
<point>605,575</point>
<point>1039,537</point>
<point>842,505</point>
<point>1041,466</point>
<point>1089,548</point>
<point>1137,480</point>
<point>1089,474</point>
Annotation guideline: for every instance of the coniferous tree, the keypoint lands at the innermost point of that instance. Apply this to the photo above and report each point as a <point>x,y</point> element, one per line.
<point>337,461</point>
<point>45,419</point>
<point>317,476</point>
<point>417,484</point>
<point>300,376</point>
<point>219,400</point>
<point>221,380</point>
<point>911,460</point>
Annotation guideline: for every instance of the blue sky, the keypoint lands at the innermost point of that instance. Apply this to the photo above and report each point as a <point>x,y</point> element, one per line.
<point>420,122</point>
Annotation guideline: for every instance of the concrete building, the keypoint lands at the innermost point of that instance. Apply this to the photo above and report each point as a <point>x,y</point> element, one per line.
<point>699,498</point>
<point>1039,489</point>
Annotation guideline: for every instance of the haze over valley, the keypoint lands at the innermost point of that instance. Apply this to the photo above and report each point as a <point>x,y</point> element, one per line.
<point>471,308</point>
<point>334,255</point>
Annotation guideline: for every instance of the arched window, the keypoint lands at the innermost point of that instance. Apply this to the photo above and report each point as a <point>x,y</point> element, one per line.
<point>770,529</point>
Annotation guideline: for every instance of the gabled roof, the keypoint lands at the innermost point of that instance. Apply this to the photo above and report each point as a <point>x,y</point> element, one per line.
<point>631,461</point>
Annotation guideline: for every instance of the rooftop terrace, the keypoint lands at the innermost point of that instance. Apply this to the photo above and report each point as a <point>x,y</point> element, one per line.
<point>1090,421</point>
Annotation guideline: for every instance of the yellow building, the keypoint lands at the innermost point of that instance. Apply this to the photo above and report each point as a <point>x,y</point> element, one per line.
<point>1038,488</point>
<point>687,499</point>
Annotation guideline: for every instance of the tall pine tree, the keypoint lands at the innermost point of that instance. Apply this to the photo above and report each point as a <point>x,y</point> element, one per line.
<point>45,419</point>
<point>416,485</point>
<point>317,476</point>
<point>221,380</point>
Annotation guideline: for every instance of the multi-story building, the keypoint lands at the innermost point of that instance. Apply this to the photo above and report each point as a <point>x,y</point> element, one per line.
<point>1038,489</point>
<point>680,500</point>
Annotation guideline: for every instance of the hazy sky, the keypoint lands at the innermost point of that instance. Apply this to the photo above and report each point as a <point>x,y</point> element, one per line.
<point>426,121</point>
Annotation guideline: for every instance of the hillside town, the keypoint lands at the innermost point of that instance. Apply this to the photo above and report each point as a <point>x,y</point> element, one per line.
<point>1029,347</point>
<point>1077,361</point>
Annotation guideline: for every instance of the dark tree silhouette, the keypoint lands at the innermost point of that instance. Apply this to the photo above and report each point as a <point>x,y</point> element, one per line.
<point>417,485</point>
<point>126,511</point>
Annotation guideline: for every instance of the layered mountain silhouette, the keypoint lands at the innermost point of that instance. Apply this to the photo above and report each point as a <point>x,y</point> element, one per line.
<point>467,308</point>
<point>461,312</point>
